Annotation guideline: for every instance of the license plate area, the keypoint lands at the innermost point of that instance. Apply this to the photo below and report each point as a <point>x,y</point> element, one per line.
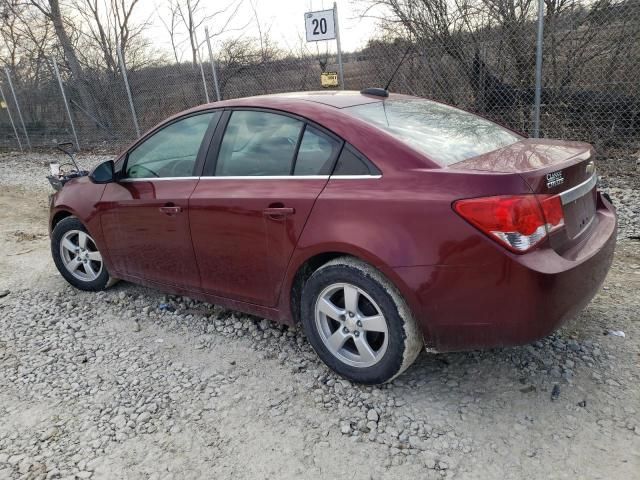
<point>579,213</point>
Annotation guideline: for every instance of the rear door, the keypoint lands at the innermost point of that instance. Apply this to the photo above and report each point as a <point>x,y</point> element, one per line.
<point>262,177</point>
<point>145,215</point>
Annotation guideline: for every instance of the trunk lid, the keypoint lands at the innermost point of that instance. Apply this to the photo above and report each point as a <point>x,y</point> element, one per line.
<point>551,167</point>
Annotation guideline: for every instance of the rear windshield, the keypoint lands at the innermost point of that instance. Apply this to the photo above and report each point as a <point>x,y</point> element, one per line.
<point>444,134</point>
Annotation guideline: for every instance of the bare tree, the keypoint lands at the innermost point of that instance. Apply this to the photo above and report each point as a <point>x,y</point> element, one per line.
<point>193,14</point>
<point>51,10</point>
<point>108,24</point>
<point>268,48</point>
<point>172,27</point>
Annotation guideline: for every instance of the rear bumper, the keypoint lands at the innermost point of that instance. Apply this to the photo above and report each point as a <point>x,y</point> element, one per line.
<point>514,301</point>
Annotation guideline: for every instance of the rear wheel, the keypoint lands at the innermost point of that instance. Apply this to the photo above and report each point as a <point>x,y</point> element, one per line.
<point>77,257</point>
<point>358,323</point>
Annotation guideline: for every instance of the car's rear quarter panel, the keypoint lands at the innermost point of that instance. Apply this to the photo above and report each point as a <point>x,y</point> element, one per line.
<point>401,221</point>
<point>513,299</point>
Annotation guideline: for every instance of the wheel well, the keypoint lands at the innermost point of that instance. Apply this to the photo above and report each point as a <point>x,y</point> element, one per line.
<point>303,274</point>
<point>59,216</point>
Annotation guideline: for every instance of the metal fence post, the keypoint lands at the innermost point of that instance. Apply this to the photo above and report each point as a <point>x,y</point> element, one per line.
<point>213,64</point>
<point>126,85</point>
<point>204,79</point>
<point>15,132</point>
<point>15,100</point>
<point>340,69</point>
<point>66,104</point>
<point>538,94</point>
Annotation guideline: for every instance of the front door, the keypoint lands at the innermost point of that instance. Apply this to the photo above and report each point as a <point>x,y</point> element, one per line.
<point>145,215</point>
<point>247,216</point>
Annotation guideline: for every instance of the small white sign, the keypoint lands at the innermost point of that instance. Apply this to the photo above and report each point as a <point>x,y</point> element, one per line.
<point>320,25</point>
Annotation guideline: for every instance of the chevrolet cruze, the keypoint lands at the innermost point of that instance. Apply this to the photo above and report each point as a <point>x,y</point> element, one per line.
<point>382,223</point>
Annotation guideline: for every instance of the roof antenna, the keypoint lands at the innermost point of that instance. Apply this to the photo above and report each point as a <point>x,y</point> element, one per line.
<point>386,87</point>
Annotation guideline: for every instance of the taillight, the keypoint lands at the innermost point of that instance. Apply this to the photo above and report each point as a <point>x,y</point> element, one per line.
<point>552,211</point>
<point>519,222</point>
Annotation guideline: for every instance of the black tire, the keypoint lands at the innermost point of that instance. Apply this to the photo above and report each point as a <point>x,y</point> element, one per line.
<point>404,340</point>
<point>64,226</point>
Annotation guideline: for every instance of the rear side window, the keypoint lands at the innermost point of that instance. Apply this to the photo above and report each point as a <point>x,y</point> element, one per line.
<point>445,134</point>
<point>258,144</point>
<point>316,154</point>
<point>352,162</point>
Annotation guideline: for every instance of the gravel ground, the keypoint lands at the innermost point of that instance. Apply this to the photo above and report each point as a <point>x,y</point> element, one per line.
<point>132,383</point>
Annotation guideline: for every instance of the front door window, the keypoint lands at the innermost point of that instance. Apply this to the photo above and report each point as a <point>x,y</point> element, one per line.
<point>171,152</point>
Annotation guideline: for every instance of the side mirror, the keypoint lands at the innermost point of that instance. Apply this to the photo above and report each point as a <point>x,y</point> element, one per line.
<point>104,173</point>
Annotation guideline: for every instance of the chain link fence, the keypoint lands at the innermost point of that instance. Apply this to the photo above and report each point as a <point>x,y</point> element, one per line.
<point>589,88</point>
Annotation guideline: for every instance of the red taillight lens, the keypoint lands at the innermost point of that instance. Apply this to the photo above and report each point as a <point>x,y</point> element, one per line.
<point>519,222</point>
<point>552,211</point>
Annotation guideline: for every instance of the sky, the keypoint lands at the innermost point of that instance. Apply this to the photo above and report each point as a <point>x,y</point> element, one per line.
<point>283,18</point>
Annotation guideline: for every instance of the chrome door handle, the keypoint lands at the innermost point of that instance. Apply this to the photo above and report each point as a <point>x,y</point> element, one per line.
<point>278,211</point>
<point>170,210</point>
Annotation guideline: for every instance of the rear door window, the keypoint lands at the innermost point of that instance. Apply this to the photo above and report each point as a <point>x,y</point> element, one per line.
<point>316,154</point>
<point>258,144</point>
<point>445,134</point>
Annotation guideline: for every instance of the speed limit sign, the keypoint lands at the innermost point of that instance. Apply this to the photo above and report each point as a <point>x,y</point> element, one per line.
<point>320,25</point>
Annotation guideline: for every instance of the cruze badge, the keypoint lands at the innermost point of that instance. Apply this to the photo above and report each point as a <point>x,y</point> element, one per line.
<point>554,179</point>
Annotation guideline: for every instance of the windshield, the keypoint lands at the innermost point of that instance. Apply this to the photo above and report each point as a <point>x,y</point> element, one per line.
<point>443,133</point>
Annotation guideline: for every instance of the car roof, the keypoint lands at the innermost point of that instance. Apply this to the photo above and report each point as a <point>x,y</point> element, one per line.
<point>331,98</point>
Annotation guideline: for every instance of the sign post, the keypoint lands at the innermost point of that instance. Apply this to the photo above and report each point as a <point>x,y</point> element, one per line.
<point>323,25</point>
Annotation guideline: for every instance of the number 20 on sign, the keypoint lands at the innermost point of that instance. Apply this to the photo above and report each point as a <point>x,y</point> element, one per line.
<point>320,25</point>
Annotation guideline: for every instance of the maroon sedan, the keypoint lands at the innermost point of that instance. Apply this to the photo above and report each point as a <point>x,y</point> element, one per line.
<point>382,223</point>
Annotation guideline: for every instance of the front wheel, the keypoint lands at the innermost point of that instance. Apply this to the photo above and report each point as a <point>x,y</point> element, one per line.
<point>358,323</point>
<point>77,257</point>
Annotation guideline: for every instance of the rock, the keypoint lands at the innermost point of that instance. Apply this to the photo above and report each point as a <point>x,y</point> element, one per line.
<point>53,473</point>
<point>345,428</point>
<point>430,463</point>
<point>15,459</point>
<point>372,415</point>
<point>143,417</point>
<point>555,392</point>
<point>51,432</point>
<point>119,421</point>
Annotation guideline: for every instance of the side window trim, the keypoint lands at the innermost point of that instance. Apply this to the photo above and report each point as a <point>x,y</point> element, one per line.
<point>211,159</point>
<point>197,169</point>
<point>294,160</point>
<point>206,142</point>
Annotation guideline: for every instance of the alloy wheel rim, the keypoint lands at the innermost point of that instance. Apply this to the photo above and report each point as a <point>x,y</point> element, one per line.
<point>351,325</point>
<point>80,255</point>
